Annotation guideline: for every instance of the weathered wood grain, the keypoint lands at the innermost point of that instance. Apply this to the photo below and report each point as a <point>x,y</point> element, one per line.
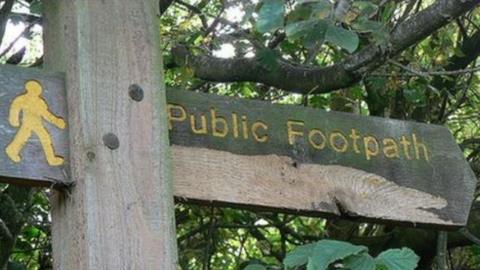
<point>33,168</point>
<point>271,181</point>
<point>410,186</point>
<point>120,212</point>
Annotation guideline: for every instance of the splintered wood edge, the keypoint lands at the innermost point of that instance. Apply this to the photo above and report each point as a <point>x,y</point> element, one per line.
<point>273,181</point>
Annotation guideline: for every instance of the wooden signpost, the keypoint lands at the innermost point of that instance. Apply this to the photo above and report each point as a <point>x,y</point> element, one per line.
<point>113,147</point>
<point>255,154</point>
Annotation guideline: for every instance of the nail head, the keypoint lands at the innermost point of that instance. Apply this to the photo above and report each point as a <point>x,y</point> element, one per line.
<point>111,141</point>
<point>135,92</point>
<point>91,156</point>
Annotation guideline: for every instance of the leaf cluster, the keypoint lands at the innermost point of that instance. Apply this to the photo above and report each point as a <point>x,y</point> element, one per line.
<point>330,254</point>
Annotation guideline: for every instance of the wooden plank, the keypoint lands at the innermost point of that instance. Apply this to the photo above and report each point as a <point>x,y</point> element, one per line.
<point>253,153</point>
<point>33,134</point>
<point>120,213</point>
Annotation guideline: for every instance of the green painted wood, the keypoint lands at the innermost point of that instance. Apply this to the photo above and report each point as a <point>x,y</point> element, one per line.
<point>33,168</point>
<point>442,172</point>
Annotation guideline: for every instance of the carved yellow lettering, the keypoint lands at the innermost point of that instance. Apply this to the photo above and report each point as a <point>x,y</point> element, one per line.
<point>390,148</point>
<point>173,117</point>
<point>293,133</point>
<point>203,125</point>
<point>314,133</point>
<point>419,146</point>
<point>354,136</point>
<point>219,125</point>
<point>333,142</point>
<point>406,147</point>
<point>371,147</point>
<point>255,127</point>
<point>245,127</point>
<point>235,125</point>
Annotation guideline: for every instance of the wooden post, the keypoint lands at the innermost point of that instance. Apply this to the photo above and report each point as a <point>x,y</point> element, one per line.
<point>120,213</point>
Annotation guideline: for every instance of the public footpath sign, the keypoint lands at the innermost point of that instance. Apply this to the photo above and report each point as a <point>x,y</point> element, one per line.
<point>254,154</point>
<point>33,128</point>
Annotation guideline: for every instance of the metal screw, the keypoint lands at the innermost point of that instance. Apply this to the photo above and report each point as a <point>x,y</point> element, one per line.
<point>135,92</point>
<point>91,156</point>
<point>111,141</point>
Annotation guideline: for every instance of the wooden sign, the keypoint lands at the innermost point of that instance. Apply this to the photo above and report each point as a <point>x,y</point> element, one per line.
<point>33,128</point>
<point>255,154</point>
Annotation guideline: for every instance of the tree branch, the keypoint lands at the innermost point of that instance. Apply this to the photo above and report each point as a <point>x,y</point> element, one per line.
<point>469,143</point>
<point>195,10</point>
<point>22,34</point>
<point>4,231</point>
<point>164,4</point>
<point>311,79</point>
<point>470,236</point>
<point>4,15</point>
<point>421,73</point>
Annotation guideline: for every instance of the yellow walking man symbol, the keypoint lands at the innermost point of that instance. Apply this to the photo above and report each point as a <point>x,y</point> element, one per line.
<point>27,112</point>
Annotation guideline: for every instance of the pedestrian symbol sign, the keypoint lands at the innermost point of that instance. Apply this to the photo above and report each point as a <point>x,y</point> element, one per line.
<point>33,127</point>
<point>27,113</point>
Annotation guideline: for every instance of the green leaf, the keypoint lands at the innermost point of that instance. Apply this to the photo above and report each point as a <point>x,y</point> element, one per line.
<point>319,101</point>
<point>381,267</point>
<point>247,91</point>
<point>298,256</point>
<point>298,29</point>
<point>388,11</point>
<point>398,259</point>
<point>322,9</point>
<point>268,58</point>
<point>365,25</point>
<point>300,13</point>
<point>31,231</point>
<point>342,37</point>
<point>359,262</point>
<point>329,251</point>
<point>316,34</point>
<point>415,96</point>
<point>366,7</point>
<point>255,267</point>
<point>270,16</point>
<point>312,31</point>
<point>381,37</point>
<point>36,7</point>
<point>15,266</point>
<point>458,52</point>
<point>377,29</point>
<point>475,250</point>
